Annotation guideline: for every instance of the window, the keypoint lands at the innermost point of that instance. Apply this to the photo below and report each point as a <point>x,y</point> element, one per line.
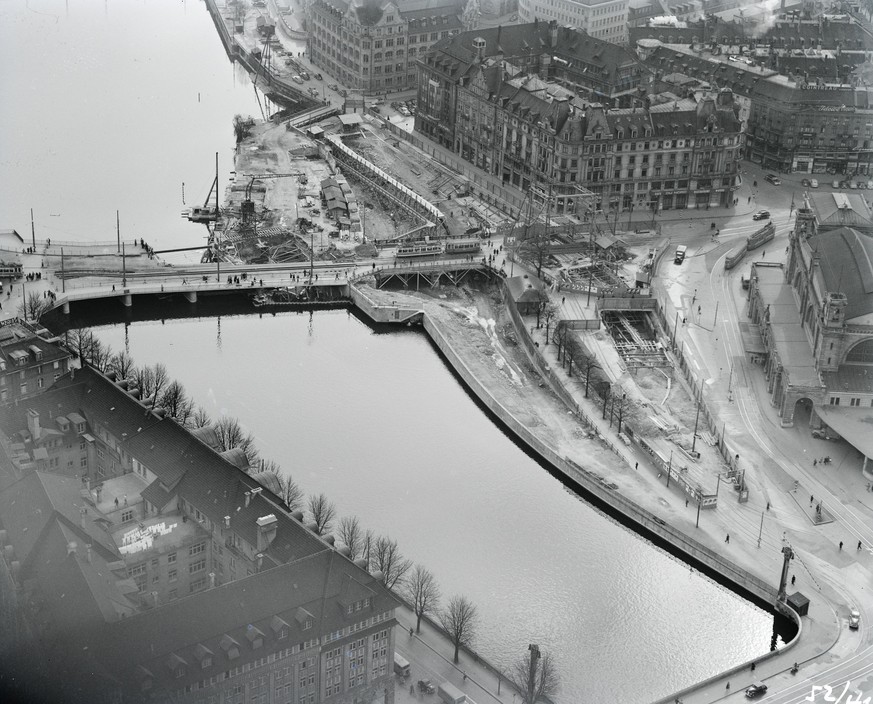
<point>83,462</point>
<point>127,515</point>
<point>171,558</point>
<point>196,549</point>
<point>173,575</point>
<point>197,585</point>
<point>197,566</point>
<point>834,401</point>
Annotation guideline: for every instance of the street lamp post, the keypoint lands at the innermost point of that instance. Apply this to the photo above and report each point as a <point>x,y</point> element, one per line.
<point>621,412</point>
<point>669,468</point>
<point>696,419</point>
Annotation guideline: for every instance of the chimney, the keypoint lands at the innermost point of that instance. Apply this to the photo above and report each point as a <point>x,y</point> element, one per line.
<point>248,496</point>
<point>479,46</point>
<point>553,33</point>
<point>267,526</point>
<point>260,558</point>
<point>33,423</point>
<point>227,521</point>
<point>211,581</point>
<point>71,548</point>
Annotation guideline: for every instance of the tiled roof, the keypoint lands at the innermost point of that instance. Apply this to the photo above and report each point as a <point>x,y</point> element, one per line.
<point>320,584</point>
<point>840,210</point>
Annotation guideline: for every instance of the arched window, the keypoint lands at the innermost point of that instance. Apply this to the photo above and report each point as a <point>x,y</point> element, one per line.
<point>861,353</point>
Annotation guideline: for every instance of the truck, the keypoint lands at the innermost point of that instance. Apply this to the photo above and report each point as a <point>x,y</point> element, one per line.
<point>679,257</point>
<point>401,665</point>
<point>450,694</point>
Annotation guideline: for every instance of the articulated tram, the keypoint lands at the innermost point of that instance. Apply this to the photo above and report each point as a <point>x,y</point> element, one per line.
<point>421,249</point>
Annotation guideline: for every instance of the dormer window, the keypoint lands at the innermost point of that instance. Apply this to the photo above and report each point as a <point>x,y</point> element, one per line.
<point>307,624</point>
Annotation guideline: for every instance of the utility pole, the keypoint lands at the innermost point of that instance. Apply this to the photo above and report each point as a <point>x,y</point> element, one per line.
<point>697,522</point>
<point>123,266</point>
<point>696,419</point>
<point>63,278</point>
<point>715,317</point>
<point>669,469</point>
<point>118,230</point>
<point>761,529</point>
<point>32,231</point>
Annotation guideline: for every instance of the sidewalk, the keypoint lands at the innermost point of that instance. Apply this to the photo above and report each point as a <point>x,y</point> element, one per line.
<point>430,654</point>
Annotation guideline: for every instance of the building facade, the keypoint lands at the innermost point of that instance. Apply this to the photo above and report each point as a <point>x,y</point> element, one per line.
<point>603,19</point>
<point>514,116</point>
<point>816,315</point>
<point>372,46</point>
<point>173,572</point>
<point>29,360</point>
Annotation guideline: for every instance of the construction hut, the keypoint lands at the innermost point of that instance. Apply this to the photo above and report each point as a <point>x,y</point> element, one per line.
<point>527,293</point>
<point>335,204</point>
<point>351,123</point>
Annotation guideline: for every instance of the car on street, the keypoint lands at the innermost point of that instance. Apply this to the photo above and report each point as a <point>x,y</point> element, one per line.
<point>813,183</point>
<point>870,185</point>
<point>296,78</point>
<point>761,215</point>
<point>773,178</point>
<point>806,183</point>
<point>317,76</point>
<point>854,619</point>
<point>343,92</point>
<point>861,185</point>
<point>835,184</point>
<point>514,18</point>
<point>853,185</point>
<point>375,109</point>
<point>756,690</point>
<point>426,686</point>
<point>844,185</point>
<point>304,75</point>
<point>332,86</point>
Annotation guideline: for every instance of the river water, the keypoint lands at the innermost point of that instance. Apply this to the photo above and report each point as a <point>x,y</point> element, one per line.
<point>113,105</point>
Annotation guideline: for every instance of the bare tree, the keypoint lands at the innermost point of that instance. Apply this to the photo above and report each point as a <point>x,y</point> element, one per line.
<point>176,403</point>
<point>100,354</point>
<point>534,676</point>
<point>34,306</point>
<point>352,535</point>
<point>160,379</point>
<point>460,619</point>
<point>323,512</point>
<point>550,313</point>
<point>122,364</point>
<point>367,543</point>
<point>291,493</point>
<point>142,377</point>
<point>200,418</point>
<point>231,434</point>
<point>423,592</point>
<point>80,341</point>
<point>386,557</point>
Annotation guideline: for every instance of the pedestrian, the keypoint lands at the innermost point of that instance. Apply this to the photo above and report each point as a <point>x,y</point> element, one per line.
<point>792,580</point>
<point>636,465</point>
<point>563,299</point>
<point>465,677</point>
<point>768,505</point>
<point>841,545</point>
<point>811,500</point>
<point>727,538</point>
<point>116,502</point>
<point>753,667</point>
<point>859,545</point>
<point>728,687</point>
<point>686,503</point>
<point>698,310</point>
<point>814,463</point>
<point>410,631</point>
<point>684,320</point>
<point>763,254</point>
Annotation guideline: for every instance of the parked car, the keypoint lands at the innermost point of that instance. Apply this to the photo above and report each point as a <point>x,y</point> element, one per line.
<point>835,184</point>
<point>806,183</point>
<point>761,215</point>
<point>756,690</point>
<point>870,185</point>
<point>844,185</point>
<point>426,686</point>
<point>813,183</point>
<point>343,92</point>
<point>296,78</point>
<point>774,179</point>
<point>375,109</point>
<point>861,185</point>
<point>853,185</point>
<point>333,86</point>
<point>854,619</point>
<point>304,75</point>
<point>317,76</point>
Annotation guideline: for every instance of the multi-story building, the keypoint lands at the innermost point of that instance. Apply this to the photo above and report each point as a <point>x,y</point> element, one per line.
<point>178,575</point>
<point>29,361</point>
<point>373,47</point>
<point>511,118</point>
<point>603,19</point>
<point>807,111</point>
<point>815,318</point>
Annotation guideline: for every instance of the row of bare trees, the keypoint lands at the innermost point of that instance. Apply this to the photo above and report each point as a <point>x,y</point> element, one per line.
<point>459,617</point>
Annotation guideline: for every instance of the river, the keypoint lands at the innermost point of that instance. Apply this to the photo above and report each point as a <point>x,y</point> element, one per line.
<point>114,105</point>
<point>382,426</point>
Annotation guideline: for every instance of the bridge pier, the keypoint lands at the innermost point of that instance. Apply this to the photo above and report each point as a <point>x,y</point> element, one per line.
<point>126,300</point>
<point>65,307</point>
<point>190,296</point>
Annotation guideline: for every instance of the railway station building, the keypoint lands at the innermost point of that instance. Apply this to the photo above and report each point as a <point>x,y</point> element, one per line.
<point>815,319</point>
